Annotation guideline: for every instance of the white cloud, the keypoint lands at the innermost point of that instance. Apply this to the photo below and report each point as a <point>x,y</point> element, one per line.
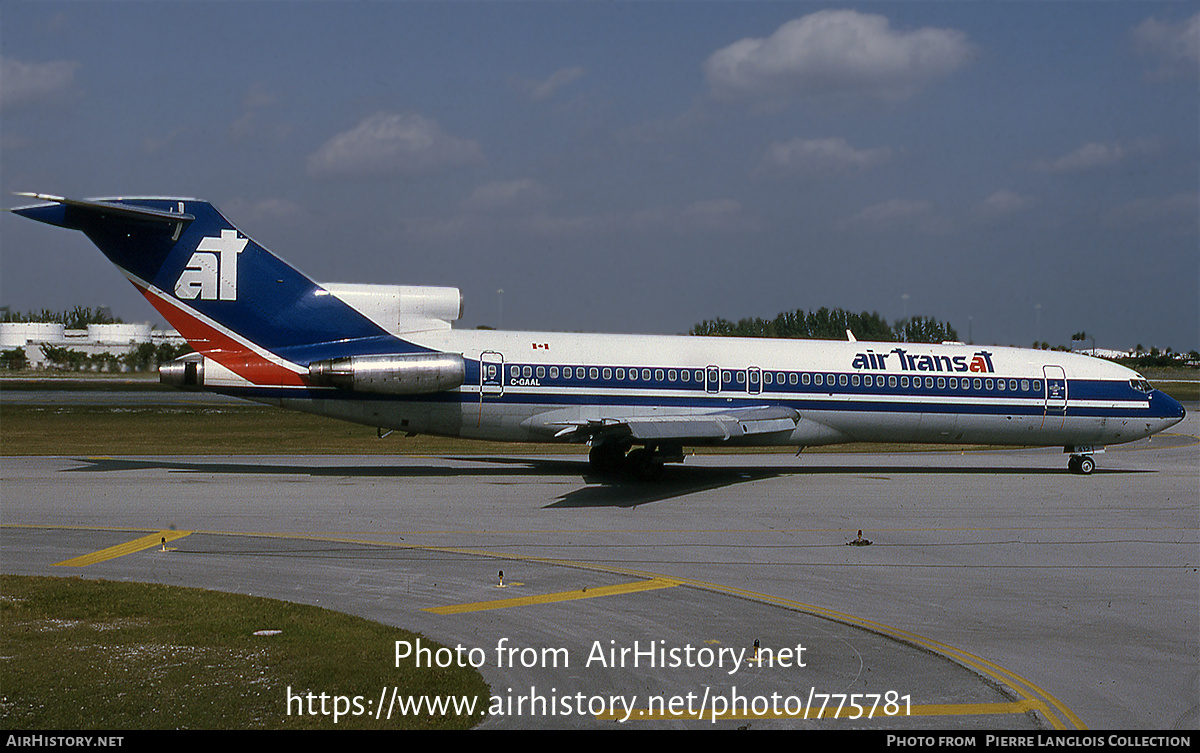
<point>264,209</point>
<point>539,91</point>
<point>716,215</point>
<point>1095,155</point>
<point>505,195</point>
<point>393,144</point>
<point>900,215</point>
<point>1176,46</point>
<point>835,53</point>
<point>1001,204</point>
<point>895,209</point>
<point>254,121</point>
<point>35,83</point>
<point>819,158</point>
<point>1184,206</point>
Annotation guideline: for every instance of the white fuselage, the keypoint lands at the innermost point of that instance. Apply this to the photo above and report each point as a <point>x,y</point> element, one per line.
<point>524,386</point>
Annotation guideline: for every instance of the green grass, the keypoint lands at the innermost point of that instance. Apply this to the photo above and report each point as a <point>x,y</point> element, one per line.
<point>92,654</point>
<point>254,430</point>
<point>236,430</point>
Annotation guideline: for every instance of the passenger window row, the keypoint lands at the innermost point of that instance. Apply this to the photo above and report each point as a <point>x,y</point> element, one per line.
<point>759,380</point>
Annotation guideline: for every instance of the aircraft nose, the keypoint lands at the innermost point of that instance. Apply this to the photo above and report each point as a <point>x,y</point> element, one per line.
<point>1168,407</point>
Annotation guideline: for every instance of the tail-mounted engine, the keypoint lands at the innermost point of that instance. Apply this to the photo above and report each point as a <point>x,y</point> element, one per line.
<point>186,372</point>
<point>411,374</point>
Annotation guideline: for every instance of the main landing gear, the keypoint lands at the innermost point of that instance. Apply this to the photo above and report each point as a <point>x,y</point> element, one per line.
<point>644,463</point>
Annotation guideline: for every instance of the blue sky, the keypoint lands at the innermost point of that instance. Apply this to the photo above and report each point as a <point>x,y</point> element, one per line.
<point>1022,170</point>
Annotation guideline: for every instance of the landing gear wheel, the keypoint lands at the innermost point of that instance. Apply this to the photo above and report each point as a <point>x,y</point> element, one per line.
<point>607,458</point>
<point>642,464</point>
<point>1081,464</point>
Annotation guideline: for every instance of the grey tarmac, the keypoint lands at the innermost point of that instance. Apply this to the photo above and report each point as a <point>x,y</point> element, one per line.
<point>999,590</point>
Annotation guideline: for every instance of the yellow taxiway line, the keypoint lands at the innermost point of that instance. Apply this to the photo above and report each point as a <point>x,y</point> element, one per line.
<point>120,550</point>
<point>584,593</point>
<point>1032,697</point>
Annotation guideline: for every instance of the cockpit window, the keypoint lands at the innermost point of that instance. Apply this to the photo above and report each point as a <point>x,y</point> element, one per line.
<point>1141,385</point>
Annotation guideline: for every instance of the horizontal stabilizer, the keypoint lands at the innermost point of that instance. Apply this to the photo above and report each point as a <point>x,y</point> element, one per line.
<point>99,208</point>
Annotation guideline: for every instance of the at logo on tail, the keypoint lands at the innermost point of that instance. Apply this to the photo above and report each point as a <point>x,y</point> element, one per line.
<point>211,273</point>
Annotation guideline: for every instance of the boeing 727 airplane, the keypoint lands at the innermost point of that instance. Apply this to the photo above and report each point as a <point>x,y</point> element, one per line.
<point>387,356</point>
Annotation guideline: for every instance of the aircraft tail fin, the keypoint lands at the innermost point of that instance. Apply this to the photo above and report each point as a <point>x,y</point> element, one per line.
<point>233,300</point>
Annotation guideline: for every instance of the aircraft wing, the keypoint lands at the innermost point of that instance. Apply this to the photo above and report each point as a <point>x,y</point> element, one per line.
<point>718,425</point>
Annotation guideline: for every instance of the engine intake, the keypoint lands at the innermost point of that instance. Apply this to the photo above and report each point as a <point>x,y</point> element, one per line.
<point>415,374</point>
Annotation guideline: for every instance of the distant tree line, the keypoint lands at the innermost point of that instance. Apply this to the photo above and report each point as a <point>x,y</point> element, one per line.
<point>1142,358</point>
<point>77,318</point>
<point>145,357</point>
<point>831,324</point>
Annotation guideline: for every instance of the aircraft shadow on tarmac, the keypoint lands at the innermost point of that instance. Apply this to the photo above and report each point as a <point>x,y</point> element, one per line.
<point>599,490</point>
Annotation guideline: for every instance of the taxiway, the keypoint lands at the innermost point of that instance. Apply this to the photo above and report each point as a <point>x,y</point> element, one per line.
<point>999,591</point>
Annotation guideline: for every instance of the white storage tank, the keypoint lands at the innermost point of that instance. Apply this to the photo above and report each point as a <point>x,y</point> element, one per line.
<point>118,334</point>
<point>20,334</point>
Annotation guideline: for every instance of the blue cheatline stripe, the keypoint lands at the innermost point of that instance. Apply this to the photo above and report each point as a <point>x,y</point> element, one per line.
<point>697,401</point>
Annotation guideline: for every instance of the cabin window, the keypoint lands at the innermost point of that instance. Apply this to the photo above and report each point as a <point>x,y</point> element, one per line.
<point>953,383</point>
<point>928,383</point>
<point>671,375</point>
<point>855,379</point>
<point>768,377</point>
<point>685,375</point>
<point>941,383</point>
<point>726,377</point>
<point>741,377</point>
<point>593,373</point>
<point>843,380</point>
<point>903,381</point>
<point>554,372</point>
<point>1012,385</point>
<point>620,373</point>
<point>988,384</point>
<point>607,374</point>
<point>977,383</point>
<point>645,375</point>
<point>541,372</point>
<point>818,379</point>
<point>869,380</point>
<point>526,371</point>
<point>1024,385</point>
<point>1000,384</point>
<point>891,381</point>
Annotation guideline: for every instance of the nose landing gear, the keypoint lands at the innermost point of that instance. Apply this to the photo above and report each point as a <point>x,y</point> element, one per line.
<point>1081,460</point>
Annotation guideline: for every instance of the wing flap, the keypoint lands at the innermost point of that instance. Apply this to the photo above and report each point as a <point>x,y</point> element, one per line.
<point>680,427</point>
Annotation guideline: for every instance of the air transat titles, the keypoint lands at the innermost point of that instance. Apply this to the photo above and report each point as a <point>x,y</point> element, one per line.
<point>980,363</point>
